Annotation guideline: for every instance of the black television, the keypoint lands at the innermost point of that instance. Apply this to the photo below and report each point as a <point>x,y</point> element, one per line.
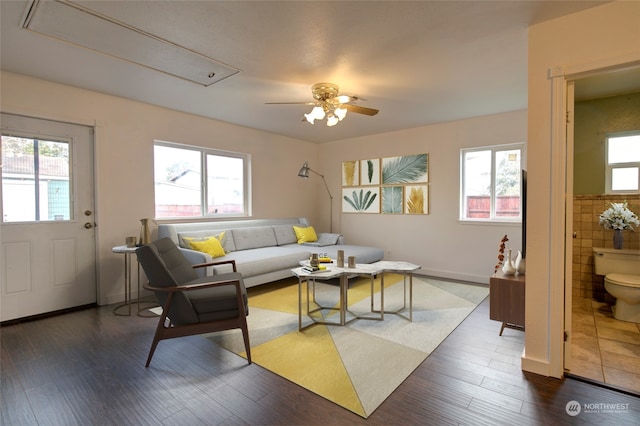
<point>523,206</point>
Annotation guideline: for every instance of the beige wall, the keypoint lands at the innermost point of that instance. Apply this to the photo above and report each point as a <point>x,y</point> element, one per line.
<point>124,176</point>
<point>598,38</point>
<point>125,131</point>
<point>594,120</point>
<point>439,242</point>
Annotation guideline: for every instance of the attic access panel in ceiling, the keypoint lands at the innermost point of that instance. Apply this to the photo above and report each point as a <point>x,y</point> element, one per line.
<point>83,27</point>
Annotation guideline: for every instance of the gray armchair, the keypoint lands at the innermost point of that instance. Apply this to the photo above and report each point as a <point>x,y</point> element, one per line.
<point>192,304</point>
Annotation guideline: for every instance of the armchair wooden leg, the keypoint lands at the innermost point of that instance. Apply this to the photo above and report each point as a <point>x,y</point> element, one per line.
<point>245,336</point>
<point>162,324</point>
<point>152,350</point>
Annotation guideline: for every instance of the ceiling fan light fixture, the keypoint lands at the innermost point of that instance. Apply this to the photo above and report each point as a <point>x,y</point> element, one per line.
<point>340,112</point>
<point>318,112</point>
<point>310,118</point>
<point>328,104</point>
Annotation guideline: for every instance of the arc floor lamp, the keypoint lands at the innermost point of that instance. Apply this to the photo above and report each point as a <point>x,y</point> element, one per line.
<point>304,173</point>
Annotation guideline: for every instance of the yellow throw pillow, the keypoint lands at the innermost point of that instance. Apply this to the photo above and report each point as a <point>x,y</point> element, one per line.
<point>305,235</point>
<point>212,247</point>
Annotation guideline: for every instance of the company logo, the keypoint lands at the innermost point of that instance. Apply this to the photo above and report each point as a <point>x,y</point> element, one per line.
<point>573,408</point>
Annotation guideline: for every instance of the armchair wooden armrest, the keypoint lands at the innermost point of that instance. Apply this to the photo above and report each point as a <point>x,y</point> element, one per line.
<point>198,286</point>
<point>221,262</point>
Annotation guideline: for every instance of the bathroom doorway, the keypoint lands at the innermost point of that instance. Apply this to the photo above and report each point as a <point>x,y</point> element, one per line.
<point>602,349</point>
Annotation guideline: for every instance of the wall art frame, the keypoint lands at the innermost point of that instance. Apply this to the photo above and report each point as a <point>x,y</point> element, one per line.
<point>370,172</point>
<point>406,169</point>
<point>350,173</point>
<point>361,199</point>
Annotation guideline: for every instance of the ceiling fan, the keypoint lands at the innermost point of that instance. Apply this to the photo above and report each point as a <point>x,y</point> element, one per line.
<point>330,104</point>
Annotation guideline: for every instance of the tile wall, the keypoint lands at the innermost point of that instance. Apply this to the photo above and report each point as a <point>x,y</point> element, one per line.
<point>588,234</point>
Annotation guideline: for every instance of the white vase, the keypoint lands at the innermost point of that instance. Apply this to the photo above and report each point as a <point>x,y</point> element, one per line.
<point>507,267</point>
<point>520,263</point>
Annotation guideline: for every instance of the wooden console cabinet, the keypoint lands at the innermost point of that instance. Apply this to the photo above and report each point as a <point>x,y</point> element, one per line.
<point>506,300</point>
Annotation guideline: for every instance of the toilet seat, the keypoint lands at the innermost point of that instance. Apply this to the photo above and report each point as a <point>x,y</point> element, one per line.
<point>624,280</point>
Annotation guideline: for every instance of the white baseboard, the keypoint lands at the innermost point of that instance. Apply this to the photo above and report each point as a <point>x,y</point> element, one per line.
<point>481,279</point>
<point>537,366</point>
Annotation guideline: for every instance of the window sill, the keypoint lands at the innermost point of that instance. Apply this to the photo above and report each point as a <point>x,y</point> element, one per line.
<point>490,222</point>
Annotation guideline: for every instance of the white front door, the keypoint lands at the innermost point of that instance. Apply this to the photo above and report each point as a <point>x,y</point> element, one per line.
<point>48,259</point>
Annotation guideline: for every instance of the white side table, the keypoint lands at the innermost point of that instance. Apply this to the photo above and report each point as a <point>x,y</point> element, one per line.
<point>128,251</point>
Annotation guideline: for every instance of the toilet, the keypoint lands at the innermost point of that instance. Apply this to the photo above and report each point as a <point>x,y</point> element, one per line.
<point>621,270</point>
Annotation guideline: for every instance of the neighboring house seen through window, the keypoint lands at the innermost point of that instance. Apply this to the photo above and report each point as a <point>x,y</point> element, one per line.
<point>197,182</point>
<point>36,176</point>
<point>623,163</point>
<point>491,183</point>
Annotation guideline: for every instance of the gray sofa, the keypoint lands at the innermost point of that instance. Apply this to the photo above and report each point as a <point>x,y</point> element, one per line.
<point>265,250</point>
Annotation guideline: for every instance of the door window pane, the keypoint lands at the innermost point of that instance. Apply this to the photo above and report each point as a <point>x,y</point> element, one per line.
<point>35,180</point>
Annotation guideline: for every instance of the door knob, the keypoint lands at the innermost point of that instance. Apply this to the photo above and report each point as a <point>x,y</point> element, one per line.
<point>88,225</point>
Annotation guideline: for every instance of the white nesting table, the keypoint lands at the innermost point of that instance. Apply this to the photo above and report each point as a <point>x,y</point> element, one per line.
<point>406,269</point>
<point>343,274</point>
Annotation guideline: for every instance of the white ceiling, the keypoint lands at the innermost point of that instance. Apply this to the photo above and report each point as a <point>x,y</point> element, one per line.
<point>419,62</point>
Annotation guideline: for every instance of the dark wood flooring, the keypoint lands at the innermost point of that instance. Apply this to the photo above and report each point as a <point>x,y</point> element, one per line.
<point>87,368</point>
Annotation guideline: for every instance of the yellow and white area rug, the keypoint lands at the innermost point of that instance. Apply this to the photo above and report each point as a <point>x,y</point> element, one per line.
<point>359,365</point>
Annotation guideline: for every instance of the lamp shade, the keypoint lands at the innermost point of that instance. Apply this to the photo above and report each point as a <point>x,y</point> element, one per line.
<point>310,118</point>
<point>318,112</point>
<point>304,171</point>
<point>332,120</point>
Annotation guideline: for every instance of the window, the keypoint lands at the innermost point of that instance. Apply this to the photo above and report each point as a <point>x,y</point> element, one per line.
<point>623,163</point>
<point>193,181</point>
<point>35,180</point>
<point>490,181</point>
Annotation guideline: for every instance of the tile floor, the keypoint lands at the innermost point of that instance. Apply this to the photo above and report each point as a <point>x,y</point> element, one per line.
<point>603,348</point>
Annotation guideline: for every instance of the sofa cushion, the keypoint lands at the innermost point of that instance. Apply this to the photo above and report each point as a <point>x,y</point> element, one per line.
<point>225,238</point>
<point>264,260</point>
<point>325,239</point>
<point>254,237</point>
<point>305,234</point>
<point>211,246</point>
<point>284,234</point>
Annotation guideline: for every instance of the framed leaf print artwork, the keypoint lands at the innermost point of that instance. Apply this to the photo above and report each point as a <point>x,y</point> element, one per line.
<point>370,172</point>
<point>392,199</point>
<point>351,173</point>
<point>416,199</point>
<point>361,200</point>
<point>405,170</point>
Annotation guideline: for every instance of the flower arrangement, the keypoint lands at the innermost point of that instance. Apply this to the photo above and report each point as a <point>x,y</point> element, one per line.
<point>501,248</point>
<point>618,216</point>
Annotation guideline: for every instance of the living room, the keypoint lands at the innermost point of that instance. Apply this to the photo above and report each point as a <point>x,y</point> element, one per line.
<point>125,132</point>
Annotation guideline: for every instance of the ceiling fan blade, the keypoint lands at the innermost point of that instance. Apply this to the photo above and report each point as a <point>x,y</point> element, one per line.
<point>360,109</point>
<point>290,103</point>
